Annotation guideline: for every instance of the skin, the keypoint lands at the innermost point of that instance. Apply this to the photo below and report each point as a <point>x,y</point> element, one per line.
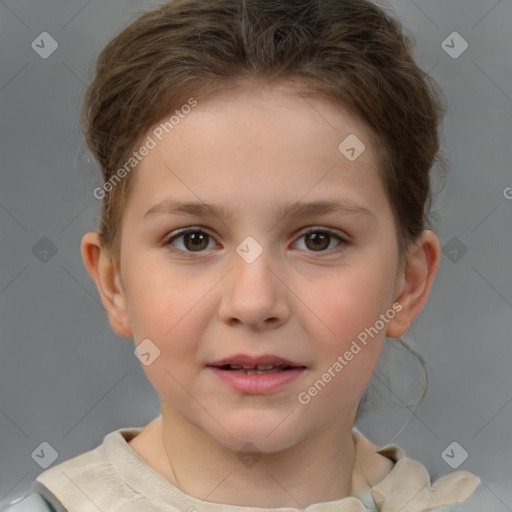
<point>253,149</point>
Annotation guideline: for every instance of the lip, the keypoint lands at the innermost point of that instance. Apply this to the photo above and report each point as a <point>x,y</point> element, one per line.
<point>247,360</point>
<point>257,384</point>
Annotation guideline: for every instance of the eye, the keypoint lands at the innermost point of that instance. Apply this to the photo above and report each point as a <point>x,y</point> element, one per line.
<point>317,240</point>
<point>196,240</point>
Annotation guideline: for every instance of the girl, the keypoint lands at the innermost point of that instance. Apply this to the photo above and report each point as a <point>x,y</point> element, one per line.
<point>263,229</point>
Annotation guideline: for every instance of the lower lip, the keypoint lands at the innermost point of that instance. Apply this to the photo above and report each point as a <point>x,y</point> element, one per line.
<point>257,384</point>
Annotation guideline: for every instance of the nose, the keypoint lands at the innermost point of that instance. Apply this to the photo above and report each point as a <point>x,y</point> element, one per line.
<point>254,294</point>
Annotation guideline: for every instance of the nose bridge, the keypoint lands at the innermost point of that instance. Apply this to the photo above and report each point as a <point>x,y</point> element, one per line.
<point>254,294</point>
<point>253,269</point>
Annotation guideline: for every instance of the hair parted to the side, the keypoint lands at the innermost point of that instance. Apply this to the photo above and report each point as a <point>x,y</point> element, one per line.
<point>351,52</point>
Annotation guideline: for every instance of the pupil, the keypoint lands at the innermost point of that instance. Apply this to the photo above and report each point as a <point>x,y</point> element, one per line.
<point>322,237</point>
<point>197,240</point>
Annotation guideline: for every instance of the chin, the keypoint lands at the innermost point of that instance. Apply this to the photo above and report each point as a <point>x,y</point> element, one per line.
<point>268,435</point>
<point>257,444</point>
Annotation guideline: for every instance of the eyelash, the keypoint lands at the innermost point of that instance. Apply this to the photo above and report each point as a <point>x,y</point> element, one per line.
<point>342,246</point>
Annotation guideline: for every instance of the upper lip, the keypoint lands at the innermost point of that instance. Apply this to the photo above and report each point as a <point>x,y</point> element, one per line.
<point>253,361</point>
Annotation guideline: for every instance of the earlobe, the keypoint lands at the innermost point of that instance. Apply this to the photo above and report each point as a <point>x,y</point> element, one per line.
<point>415,282</point>
<point>108,282</point>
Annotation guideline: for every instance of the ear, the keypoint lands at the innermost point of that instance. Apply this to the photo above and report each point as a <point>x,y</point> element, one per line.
<point>414,282</point>
<point>108,280</point>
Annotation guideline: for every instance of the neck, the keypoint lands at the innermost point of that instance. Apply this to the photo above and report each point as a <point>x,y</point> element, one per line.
<point>304,474</point>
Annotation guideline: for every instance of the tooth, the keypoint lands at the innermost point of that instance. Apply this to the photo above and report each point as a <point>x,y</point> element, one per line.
<point>265,366</point>
<point>261,372</point>
<point>247,367</point>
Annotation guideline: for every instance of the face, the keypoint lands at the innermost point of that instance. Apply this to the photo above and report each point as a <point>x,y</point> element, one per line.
<point>248,278</point>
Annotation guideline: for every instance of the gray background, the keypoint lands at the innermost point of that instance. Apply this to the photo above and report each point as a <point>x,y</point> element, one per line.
<point>67,379</point>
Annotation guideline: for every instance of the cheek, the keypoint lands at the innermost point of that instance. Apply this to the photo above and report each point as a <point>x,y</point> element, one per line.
<point>349,331</point>
<point>174,325</point>
<point>166,303</point>
<point>347,353</point>
<point>350,301</point>
<point>173,313</point>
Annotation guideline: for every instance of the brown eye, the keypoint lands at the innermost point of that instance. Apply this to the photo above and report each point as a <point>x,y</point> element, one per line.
<point>197,240</point>
<point>194,240</point>
<point>319,240</point>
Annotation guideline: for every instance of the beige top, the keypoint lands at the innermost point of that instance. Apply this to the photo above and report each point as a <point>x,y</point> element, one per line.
<point>114,478</point>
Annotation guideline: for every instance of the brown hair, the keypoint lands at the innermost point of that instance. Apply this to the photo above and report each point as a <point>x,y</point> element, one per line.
<point>349,51</point>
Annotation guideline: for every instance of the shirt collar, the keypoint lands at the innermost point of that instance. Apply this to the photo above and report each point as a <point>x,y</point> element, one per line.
<point>407,486</point>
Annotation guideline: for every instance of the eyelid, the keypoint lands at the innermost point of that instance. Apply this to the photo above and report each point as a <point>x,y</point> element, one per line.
<point>183,231</point>
<point>331,231</point>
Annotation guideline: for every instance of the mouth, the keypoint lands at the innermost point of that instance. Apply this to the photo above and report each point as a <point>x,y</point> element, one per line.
<point>257,375</point>
<point>266,363</point>
<point>260,369</point>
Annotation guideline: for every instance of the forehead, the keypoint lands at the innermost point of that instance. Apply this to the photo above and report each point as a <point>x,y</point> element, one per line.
<point>258,144</point>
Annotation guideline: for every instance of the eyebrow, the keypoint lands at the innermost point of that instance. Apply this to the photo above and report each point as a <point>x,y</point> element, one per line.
<point>297,209</point>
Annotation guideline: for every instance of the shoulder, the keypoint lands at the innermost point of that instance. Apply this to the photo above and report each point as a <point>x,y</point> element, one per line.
<point>32,502</point>
<point>75,483</point>
<point>92,462</point>
<point>483,499</point>
<point>56,483</point>
<point>38,499</point>
<point>408,487</point>
<point>94,477</point>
